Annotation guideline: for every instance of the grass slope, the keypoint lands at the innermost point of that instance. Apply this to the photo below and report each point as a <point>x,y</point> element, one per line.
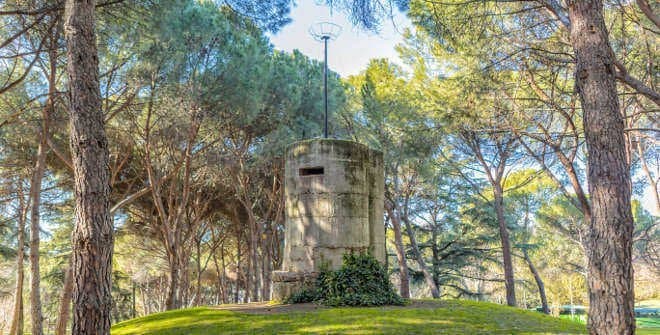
<point>444,317</point>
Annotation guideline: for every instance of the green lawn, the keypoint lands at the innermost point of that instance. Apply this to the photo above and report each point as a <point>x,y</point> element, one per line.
<point>651,323</point>
<point>644,325</point>
<point>445,317</point>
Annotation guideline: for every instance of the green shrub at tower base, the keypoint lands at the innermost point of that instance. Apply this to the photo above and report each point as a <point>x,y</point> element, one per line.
<point>361,281</point>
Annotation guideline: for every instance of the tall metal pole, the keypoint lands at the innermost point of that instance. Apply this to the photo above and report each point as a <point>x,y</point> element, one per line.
<point>325,84</point>
<point>323,32</point>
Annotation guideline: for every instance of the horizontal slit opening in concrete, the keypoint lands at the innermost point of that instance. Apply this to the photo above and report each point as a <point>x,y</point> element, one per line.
<point>311,171</point>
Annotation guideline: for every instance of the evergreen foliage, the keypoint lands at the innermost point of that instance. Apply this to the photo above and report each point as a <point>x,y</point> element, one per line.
<point>361,281</point>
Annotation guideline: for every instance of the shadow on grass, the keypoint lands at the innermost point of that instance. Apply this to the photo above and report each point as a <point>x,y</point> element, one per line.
<point>447,317</point>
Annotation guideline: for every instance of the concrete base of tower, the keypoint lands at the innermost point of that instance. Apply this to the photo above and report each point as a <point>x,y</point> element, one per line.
<point>287,283</point>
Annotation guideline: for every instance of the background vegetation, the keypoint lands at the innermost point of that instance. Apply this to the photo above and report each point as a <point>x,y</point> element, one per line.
<point>481,128</point>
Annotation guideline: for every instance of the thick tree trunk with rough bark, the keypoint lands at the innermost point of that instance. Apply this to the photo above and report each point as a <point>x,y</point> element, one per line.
<point>506,246</point>
<point>17,321</point>
<point>93,232</point>
<point>610,280</point>
<point>404,281</point>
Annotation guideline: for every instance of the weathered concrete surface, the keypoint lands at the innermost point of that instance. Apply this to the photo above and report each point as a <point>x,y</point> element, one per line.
<point>334,205</point>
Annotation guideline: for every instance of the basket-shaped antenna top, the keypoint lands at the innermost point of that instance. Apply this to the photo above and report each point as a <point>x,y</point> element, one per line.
<point>324,31</point>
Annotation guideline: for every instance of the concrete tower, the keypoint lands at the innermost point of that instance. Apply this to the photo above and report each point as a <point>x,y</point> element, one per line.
<point>334,205</point>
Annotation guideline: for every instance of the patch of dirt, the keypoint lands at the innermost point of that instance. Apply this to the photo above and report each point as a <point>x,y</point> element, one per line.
<point>423,304</point>
<point>269,308</point>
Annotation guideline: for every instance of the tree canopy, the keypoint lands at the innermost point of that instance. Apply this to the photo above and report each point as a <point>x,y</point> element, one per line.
<point>158,143</point>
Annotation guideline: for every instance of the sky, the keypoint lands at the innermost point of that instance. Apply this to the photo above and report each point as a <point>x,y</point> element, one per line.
<point>350,53</point>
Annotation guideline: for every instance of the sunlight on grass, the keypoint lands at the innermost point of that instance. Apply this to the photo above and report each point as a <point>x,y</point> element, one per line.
<point>442,317</point>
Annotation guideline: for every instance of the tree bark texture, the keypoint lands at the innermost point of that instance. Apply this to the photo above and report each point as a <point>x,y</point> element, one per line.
<point>267,262</point>
<point>428,277</point>
<point>35,192</point>
<point>35,199</point>
<point>254,256</point>
<point>404,281</point>
<point>539,282</point>
<point>173,291</point>
<point>506,246</point>
<point>92,239</point>
<point>17,321</point>
<point>65,302</point>
<point>198,271</point>
<point>495,173</point>
<point>609,249</point>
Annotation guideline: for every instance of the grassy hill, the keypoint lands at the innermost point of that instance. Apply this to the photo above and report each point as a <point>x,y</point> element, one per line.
<point>420,317</point>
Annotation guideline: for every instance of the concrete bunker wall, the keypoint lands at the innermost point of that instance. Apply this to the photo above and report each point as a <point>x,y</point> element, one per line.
<point>334,205</point>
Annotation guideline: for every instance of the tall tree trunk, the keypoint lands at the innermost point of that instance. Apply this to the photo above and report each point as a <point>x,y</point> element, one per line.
<point>198,286</point>
<point>133,305</point>
<point>220,283</point>
<point>65,301</point>
<point>35,187</point>
<point>495,172</point>
<point>239,269</point>
<point>246,271</point>
<point>254,256</point>
<point>146,307</point>
<point>67,289</point>
<point>93,232</point>
<point>267,262</point>
<point>184,297</point>
<point>35,199</point>
<point>17,321</point>
<point>173,288</point>
<point>435,262</point>
<point>428,277</point>
<point>506,247</point>
<point>539,282</point>
<point>611,308</point>
<point>404,281</point>
<point>223,282</point>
